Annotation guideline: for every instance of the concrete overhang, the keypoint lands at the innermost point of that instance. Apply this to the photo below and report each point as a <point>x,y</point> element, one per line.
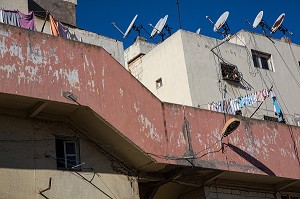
<point>85,121</point>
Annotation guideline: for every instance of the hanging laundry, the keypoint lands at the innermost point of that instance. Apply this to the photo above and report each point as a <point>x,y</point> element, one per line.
<point>11,17</point>
<point>277,108</point>
<point>1,16</point>
<point>27,21</point>
<point>63,31</point>
<point>53,26</point>
<point>73,36</point>
<point>231,106</point>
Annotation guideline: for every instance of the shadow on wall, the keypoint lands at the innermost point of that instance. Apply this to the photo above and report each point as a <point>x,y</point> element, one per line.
<point>251,160</point>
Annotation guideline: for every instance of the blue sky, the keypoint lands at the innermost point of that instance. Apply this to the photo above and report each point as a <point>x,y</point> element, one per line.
<point>97,16</point>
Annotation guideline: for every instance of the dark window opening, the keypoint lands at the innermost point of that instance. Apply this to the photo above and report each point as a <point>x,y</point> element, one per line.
<point>67,154</point>
<point>261,60</point>
<point>230,72</point>
<point>159,83</point>
<point>273,119</point>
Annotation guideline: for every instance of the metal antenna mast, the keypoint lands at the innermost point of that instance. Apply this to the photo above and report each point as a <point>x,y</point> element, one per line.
<point>178,9</point>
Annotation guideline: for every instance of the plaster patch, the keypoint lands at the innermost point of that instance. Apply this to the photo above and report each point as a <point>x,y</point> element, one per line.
<point>121,92</point>
<point>4,33</point>
<point>73,78</point>
<point>181,140</point>
<point>136,107</point>
<point>16,51</point>
<point>103,78</point>
<point>149,128</point>
<point>3,48</point>
<point>34,54</point>
<point>32,71</point>
<point>8,69</point>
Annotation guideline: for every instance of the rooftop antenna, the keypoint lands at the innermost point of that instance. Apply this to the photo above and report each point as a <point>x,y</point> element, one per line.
<point>155,28</point>
<point>159,27</point>
<point>221,24</point>
<point>258,21</point>
<point>278,26</point>
<point>178,9</point>
<point>131,26</point>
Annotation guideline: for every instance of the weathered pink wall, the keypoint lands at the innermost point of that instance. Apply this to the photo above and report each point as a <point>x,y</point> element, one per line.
<point>41,66</point>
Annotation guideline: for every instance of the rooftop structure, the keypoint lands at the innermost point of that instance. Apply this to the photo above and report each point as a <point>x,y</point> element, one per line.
<point>76,124</point>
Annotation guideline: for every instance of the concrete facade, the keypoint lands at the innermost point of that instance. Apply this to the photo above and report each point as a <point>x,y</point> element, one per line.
<point>27,162</point>
<point>21,5</point>
<point>161,144</point>
<point>191,73</point>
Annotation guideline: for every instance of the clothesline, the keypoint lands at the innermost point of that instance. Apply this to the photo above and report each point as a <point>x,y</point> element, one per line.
<point>19,19</point>
<point>231,106</point>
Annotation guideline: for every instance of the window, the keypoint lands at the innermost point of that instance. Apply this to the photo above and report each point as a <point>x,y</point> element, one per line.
<point>230,72</point>
<point>289,197</point>
<point>67,153</point>
<point>273,119</point>
<point>159,83</point>
<point>262,60</point>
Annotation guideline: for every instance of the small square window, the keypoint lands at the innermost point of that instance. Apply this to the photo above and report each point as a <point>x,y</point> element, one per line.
<point>262,60</point>
<point>159,83</point>
<point>67,153</point>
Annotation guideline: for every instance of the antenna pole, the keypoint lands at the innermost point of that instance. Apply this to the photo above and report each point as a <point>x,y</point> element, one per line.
<point>178,9</point>
<point>142,27</point>
<point>207,17</point>
<point>113,23</point>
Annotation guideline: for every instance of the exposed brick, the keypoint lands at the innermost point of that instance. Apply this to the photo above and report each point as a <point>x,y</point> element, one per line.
<point>244,193</point>
<point>219,190</point>
<point>270,195</point>
<point>261,195</point>
<point>213,189</point>
<point>252,194</point>
<point>236,192</point>
<point>226,190</point>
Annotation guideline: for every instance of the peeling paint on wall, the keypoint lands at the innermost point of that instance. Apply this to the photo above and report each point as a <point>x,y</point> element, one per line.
<point>149,128</point>
<point>8,69</point>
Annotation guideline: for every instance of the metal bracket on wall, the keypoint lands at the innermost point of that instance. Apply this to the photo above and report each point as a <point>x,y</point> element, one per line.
<point>47,189</point>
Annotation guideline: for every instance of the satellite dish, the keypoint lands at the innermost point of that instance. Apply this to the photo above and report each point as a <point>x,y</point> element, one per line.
<point>198,31</point>
<point>155,28</point>
<point>258,19</point>
<point>130,26</point>
<point>221,21</point>
<point>277,23</point>
<point>162,24</point>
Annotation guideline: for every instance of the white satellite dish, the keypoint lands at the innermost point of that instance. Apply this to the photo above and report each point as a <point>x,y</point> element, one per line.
<point>198,31</point>
<point>221,21</point>
<point>277,23</point>
<point>258,19</point>
<point>130,26</point>
<point>155,28</point>
<point>162,24</point>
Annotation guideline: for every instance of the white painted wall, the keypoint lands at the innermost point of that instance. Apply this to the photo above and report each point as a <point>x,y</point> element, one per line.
<point>139,48</point>
<point>186,57</point>
<point>25,170</point>
<point>21,5</point>
<point>112,46</point>
<point>167,61</point>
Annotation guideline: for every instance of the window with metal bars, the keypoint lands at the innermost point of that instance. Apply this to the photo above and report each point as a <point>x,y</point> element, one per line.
<point>67,153</point>
<point>262,60</point>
